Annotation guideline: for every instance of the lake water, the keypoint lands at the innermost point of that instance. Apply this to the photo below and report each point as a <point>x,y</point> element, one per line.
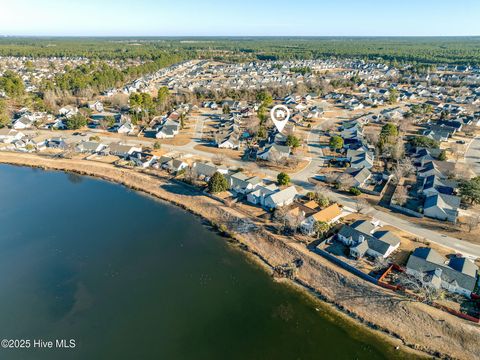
<point>128,277</point>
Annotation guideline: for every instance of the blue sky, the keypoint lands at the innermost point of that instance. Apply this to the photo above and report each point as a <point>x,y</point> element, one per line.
<point>237,18</point>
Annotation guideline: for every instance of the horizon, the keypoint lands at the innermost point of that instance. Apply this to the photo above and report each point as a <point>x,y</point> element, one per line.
<point>215,18</point>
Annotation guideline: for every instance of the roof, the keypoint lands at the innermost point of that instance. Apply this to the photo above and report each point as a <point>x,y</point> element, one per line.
<point>283,195</point>
<point>328,214</point>
<point>311,205</point>
<point>463,265</point>
<point>459,271</point>
<point>205,169</point>
<point>120,148</point>
<point>366,241</point>
<point>363,226</point>
<point>442,186</point>
<point>360,175</point>
<point>443,201</point>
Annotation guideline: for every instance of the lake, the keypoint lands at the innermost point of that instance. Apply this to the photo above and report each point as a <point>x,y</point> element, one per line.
<point>127,277</point>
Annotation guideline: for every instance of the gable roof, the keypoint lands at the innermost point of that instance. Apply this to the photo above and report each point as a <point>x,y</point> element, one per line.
<point>283,195</point>
<point>458,271</point>
<point>328,214</point>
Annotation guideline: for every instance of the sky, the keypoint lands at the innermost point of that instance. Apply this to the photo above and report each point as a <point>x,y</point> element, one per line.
<point>240,18</point>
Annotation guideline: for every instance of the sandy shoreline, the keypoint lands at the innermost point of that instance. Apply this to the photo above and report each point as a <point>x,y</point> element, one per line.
<point>399,321</point>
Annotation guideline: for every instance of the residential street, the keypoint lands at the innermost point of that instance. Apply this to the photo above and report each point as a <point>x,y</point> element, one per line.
<point>472,155</point>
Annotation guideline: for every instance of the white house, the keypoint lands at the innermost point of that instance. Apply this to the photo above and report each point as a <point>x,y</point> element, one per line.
<point>457,275</point>
<point>280,198</point>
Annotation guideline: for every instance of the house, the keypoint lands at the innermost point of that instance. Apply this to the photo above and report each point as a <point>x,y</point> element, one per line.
<point>362,226</point>
<point>229,142</point>
<point>167,129</point>
<point>442,207</point>
<point>56,143</point>
<point>122,150</point>
<point>258,196</point>
<point>176,165</point>
<point>10,135</point>
<point>23,122</point>
<point>433,185</point>
<point>68,111</point>
<point>360,176</point>
<point>243,184</point>
<point>142,159</point>
<point>39,143</point>
<point>360,158</point>
<point>280,198</point>
<point>206,170</point>
<point>457,275</point>
<point>424,155</point>
<point>126,128</point>
<point>439,168</point>
<point>329,215</point>
<point>437,134</point>
<point>92,147</point>
<point>363,240</point>
<point>274,152</point>
<point>95,106</point>
<point>58,124</point>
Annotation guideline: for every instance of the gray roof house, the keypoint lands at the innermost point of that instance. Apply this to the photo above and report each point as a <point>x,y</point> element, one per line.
<point>360,159</point>
<point>206,170</point>
<point>280,198</point>
<point>274,152</point>
<point>442,207</point>
<point>257,197</point>
<point>433,185</point>
<point>360,176</point>
<point>90,147</point>
<point>121,150</point>
<point>363,241</point>
<point>242,184</point>
<point>457,275</point>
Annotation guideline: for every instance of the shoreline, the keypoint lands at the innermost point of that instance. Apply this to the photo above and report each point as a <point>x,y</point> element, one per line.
<point>417,328</point>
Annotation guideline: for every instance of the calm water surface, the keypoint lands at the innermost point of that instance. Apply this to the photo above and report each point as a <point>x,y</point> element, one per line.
<point>131,278</point>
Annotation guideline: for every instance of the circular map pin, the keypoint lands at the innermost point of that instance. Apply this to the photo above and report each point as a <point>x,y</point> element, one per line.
<point>280,115</point>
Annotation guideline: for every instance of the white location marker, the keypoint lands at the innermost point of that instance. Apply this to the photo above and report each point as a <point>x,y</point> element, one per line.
<point>280,115</point>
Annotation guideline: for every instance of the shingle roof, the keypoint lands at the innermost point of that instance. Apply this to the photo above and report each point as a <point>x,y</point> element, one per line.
<point>328,214</point>
<point>459,270</point>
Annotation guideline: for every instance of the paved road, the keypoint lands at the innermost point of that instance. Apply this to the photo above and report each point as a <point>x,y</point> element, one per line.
<point>472,155</point>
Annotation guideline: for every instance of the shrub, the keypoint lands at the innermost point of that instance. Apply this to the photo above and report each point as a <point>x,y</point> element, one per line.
<point>354,191</point>
<point>283,178</point>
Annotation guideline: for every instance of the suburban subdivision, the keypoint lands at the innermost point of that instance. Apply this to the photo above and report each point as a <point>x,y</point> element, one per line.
<point>368,198</point>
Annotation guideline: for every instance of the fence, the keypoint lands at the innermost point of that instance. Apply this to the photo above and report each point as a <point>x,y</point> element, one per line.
<point>344,265</point>
<point>385,285</point>
<point>406,211</point>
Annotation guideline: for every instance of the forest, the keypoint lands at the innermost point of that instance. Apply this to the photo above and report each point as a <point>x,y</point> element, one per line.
<point>416,50</point>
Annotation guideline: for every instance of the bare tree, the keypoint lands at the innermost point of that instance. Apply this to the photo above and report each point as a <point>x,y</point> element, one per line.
<point>280,215</point>
<point>402,169</point>
<point>294,220</point>
<point>401,195</point>
<point>345,181</point>
<point>472,222</point>
<point>398,150</point>
<point>373,138</point>
<point>457,151</point>
<point>360,205</point>
<point>218,159</point>
<point>422,287</point>
<point>190,174</point>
